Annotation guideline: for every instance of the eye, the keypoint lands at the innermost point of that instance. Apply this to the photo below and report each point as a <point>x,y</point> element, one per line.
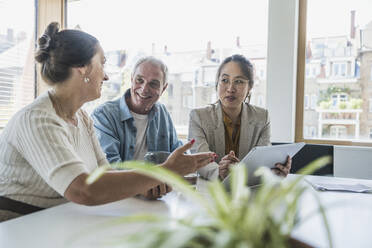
<point>239,81</point>
<point>155,84</point>
<point>224,80</point>
<point>139,80</point>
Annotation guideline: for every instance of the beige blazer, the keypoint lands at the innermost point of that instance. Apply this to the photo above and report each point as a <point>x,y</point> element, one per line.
<point>207,128</point>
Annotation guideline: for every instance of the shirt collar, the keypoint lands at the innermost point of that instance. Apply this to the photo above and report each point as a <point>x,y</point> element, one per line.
<point>228,121</point>
<point>125,112</point>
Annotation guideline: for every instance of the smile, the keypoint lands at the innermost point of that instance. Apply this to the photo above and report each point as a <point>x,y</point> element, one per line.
<point>143,97</point>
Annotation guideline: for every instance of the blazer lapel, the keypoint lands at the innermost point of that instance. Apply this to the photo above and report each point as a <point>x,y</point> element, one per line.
<point>246,133</point>
<point>219,132</point>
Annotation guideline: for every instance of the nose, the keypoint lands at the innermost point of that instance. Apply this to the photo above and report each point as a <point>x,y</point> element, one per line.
<point>145,87</point>
<point>106,77</point>
<point>231,87</point>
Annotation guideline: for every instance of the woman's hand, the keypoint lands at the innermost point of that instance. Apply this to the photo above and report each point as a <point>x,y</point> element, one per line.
<point>282,170</point>
<point>225,164</point>
<point>184,164</point>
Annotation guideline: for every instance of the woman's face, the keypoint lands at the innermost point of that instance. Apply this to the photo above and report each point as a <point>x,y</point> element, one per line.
<point>96,74</point>
<point>233,86</point>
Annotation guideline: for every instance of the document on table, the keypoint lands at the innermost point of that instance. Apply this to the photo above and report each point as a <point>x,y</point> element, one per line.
<point>358,188</point>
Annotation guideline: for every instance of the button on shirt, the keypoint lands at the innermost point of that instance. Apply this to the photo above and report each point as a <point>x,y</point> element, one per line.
<point>116,130</point>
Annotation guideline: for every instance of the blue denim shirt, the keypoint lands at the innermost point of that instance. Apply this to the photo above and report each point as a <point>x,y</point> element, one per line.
<point>116,131</point>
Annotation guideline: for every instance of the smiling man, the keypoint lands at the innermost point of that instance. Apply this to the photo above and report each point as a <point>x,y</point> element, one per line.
<point>136,123</point>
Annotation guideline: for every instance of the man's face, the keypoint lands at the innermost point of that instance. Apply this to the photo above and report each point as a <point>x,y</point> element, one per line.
<point>147,87</point>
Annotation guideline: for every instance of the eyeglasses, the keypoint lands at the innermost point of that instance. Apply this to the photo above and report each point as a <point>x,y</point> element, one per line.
<point>238,83</point>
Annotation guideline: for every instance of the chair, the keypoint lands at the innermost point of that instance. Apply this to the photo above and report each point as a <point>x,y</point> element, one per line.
<point>309,153</point>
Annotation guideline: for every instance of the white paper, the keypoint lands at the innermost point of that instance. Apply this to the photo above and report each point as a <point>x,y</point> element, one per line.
<point>358,188</point>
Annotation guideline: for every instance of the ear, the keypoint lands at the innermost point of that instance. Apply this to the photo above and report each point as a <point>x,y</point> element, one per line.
<point>165,87</point>
<point>83,70</point>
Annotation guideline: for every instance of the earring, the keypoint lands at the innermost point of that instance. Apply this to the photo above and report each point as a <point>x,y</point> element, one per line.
<point>86,80</point>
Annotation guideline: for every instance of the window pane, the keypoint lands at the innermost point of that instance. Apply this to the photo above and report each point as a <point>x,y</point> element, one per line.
<point>341,48</point>
<point>17,67</point>
<point>191,37</point>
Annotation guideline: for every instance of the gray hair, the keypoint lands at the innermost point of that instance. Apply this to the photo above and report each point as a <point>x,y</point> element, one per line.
<point>154,61</point>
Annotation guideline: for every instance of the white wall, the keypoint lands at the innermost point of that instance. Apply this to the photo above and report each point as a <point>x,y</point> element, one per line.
<point>282,68</point>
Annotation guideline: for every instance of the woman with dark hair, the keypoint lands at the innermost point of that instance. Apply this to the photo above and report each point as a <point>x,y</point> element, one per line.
<point>231,127</point>
<point>49,147</point>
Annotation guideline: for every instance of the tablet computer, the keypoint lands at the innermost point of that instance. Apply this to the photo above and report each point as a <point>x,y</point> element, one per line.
<point>266,156</point>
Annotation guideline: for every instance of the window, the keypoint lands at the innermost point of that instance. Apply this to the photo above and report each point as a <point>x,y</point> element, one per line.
<point>339,87</point>
<point>339,69</point>
<point>370,74</point>
<point>314,101</point>
<point>187,102</point>
<point>312,131</point>
<point>370,133</point>
<point>191,47</point>
<point>307,102</point>
<point>17,80</point>
<point>338,132</point>
<point>306,131</point>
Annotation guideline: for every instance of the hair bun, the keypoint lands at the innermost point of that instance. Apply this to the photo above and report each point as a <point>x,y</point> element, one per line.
<point>45,42</point>
<point>52,29</point>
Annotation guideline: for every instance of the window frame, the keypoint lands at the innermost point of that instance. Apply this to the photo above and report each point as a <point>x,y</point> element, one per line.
<point>47,11</point>
<point>300,89</point>
<point>55,10</point>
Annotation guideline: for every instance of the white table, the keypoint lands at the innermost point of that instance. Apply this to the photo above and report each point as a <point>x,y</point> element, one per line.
<point>72,225</point>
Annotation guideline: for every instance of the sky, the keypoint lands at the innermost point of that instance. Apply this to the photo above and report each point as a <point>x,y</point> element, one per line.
<point>181,25</point>
<point>18,15</point>
<point>185,25</point>
<point>332,17</point>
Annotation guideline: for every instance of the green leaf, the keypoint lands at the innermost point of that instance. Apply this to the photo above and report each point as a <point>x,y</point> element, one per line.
<point>96,174</point>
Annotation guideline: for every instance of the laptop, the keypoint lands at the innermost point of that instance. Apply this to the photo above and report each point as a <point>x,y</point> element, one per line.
<point>352,162</point>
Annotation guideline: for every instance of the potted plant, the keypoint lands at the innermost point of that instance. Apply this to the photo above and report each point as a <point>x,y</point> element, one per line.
<point>264,217</point>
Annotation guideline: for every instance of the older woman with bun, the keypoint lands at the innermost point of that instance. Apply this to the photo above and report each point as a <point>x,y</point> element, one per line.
<point>231,127</point>
<point>49,147</point>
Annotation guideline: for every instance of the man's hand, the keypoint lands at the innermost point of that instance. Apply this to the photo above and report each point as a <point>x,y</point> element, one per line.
<point>157,192</point>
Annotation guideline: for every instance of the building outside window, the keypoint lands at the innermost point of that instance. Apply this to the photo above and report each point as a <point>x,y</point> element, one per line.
<point>337,99</point>
<point>312,131</point>
<point>340,48</point>
<point>191,47</point>
<point>338,132</point>
<point>17,66</point>
<point>314,101</point>
<point>306,131</point>
<point>307,102</point>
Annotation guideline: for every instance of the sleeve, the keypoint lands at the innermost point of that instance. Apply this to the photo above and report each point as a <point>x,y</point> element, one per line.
<point>210,171</point>
<point>196,132</point>
<point>47,147</point>
<point>100,155</point>
<point>264,138</point>
<point>107,136</point>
